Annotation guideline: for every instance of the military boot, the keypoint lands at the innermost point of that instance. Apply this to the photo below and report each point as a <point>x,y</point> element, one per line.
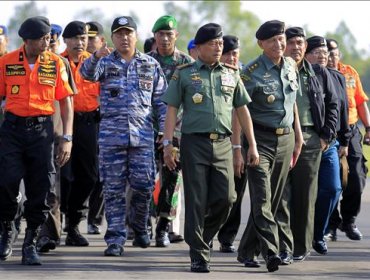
<point>8,235</point>
<point>161,234</point>
<point>29,252</point>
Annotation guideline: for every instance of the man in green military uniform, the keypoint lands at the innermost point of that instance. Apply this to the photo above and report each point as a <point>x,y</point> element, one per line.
<point>169,57</point>
<point>208,91</point>
<point>272,82</point>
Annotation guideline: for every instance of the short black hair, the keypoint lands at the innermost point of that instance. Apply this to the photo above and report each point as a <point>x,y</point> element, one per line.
<point>148,44</point>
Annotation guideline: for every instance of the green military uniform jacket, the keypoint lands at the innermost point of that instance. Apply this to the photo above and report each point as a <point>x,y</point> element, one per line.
<point>273,91</point>
<point>207,96</point>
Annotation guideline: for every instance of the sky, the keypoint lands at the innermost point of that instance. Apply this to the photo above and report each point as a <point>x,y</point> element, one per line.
<point>319,16</point>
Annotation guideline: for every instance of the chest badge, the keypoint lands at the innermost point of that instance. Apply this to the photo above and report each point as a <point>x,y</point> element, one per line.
<point>197,98</point>
<point>271,98</point>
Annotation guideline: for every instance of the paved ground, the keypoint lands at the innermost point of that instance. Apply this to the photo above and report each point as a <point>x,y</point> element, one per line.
<point>346,260</point>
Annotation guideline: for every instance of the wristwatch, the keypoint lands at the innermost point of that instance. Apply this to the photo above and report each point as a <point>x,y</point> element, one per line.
<point>166,142</point>
<point>67,137</point>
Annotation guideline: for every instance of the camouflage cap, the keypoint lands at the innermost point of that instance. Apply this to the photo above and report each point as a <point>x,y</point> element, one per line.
<point>165,23</point>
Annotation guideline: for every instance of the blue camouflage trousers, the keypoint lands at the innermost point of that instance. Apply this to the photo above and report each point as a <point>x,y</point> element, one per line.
<point>121,166</point>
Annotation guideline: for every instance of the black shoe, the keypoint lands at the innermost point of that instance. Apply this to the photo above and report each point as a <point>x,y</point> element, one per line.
<point>93,229</point>
<point>29,252</point>
<point>114,250</point>
<point>7,238</point>
<point>161,239</point>
<point>44,244</point>
<point>174,237</point>
<point>351,231</point>
<point>301,258</point>
<point>273,262</point>
<point>249,262</point>
<point>142,241</point>
<point>286,258</point>
<point>331,235</point>
<point>30,256</point>
<point>75,238</point>
<point>199,266</point>
<point>320,247</point>
<point>227,248</point>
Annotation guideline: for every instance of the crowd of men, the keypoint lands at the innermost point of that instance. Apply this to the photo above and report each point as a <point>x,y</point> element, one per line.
<point>86,131</point>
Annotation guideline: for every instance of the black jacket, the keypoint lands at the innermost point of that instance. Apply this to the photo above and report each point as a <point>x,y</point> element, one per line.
<point>343,130</point>
<point>323,101</point>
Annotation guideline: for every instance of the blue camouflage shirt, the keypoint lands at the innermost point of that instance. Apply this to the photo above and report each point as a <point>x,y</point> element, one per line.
<point>130,97</point>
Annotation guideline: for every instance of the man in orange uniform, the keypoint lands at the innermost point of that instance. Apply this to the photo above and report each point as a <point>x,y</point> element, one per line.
<point>31,78</point>
<point>351,198</point>
<point>84,160</point>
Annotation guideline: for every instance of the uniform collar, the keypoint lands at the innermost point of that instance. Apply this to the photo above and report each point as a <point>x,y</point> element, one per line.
<point>267,62</point>
<point>200,64</point>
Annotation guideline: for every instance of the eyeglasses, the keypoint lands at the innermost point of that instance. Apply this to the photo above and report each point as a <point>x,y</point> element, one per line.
<point>318,53</point>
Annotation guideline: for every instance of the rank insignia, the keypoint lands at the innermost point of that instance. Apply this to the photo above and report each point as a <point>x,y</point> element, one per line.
<point>197,98</point>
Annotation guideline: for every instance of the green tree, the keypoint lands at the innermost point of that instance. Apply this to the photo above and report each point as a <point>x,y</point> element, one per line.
<point>228,14</point>
<point>22,12</point>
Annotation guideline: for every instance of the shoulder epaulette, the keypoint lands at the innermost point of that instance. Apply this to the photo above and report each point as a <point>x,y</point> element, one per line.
<point>231,66</point>
<point>251,67</point>
<point>182,66</point>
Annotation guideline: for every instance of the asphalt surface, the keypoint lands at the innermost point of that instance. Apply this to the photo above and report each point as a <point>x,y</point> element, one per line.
<point>346,260</point>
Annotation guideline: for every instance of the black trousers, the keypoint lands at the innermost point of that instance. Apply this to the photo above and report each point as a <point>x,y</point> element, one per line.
<point>84,165</point>
<point>96,205</point>
<point>350,204</point>
<point>26,152</point>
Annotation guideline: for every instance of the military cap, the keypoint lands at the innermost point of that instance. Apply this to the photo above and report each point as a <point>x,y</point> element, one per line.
<point>191,44</point>
<point>331,44</point>
<point>270,29</point>
<point>3,30</point>
<point>75,28</point>
<point>208,32</point>
<point>95,28</point>
<point>34,28</point>
<point>165,23</point>
<point>231,42</point>
<point>123,22</point>
<point>55,32</point>
<point>295,32</point>
<point>315,42</point>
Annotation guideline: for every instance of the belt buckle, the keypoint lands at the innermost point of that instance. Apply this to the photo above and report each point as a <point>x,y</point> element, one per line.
<point>213,136</point>
<point>279,131</point>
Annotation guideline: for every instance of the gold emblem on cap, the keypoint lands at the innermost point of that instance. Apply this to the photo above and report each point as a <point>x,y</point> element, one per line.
<point>197,98</point>
<point>1,31</point>
<point>271,98</point>
<point>15,89</point>
<point>170,23</point>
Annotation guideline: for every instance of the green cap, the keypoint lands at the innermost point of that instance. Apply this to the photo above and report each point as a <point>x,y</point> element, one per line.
<point>165,23</point>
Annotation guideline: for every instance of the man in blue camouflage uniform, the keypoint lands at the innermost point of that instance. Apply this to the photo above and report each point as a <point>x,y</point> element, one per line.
<point>131,86</point>
<point>169,57</point>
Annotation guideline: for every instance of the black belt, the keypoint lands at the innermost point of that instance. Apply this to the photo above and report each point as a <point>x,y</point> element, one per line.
<point>26,121</point>
<point>277,131</point>
<point>212,136</point>
<point>88,116</point>
<point>307,128</point>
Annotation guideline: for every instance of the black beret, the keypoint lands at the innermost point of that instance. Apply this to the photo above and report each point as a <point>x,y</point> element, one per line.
<point>208,32</point>
<point>230,43</point>
<point>270,29</point>
<point>123,22</point>
<point>295,32</point>
<point>95,28</point>
<point>331,44</point>
<point>34,28</point>
<point>75,28</point>
<point>315,42</point>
